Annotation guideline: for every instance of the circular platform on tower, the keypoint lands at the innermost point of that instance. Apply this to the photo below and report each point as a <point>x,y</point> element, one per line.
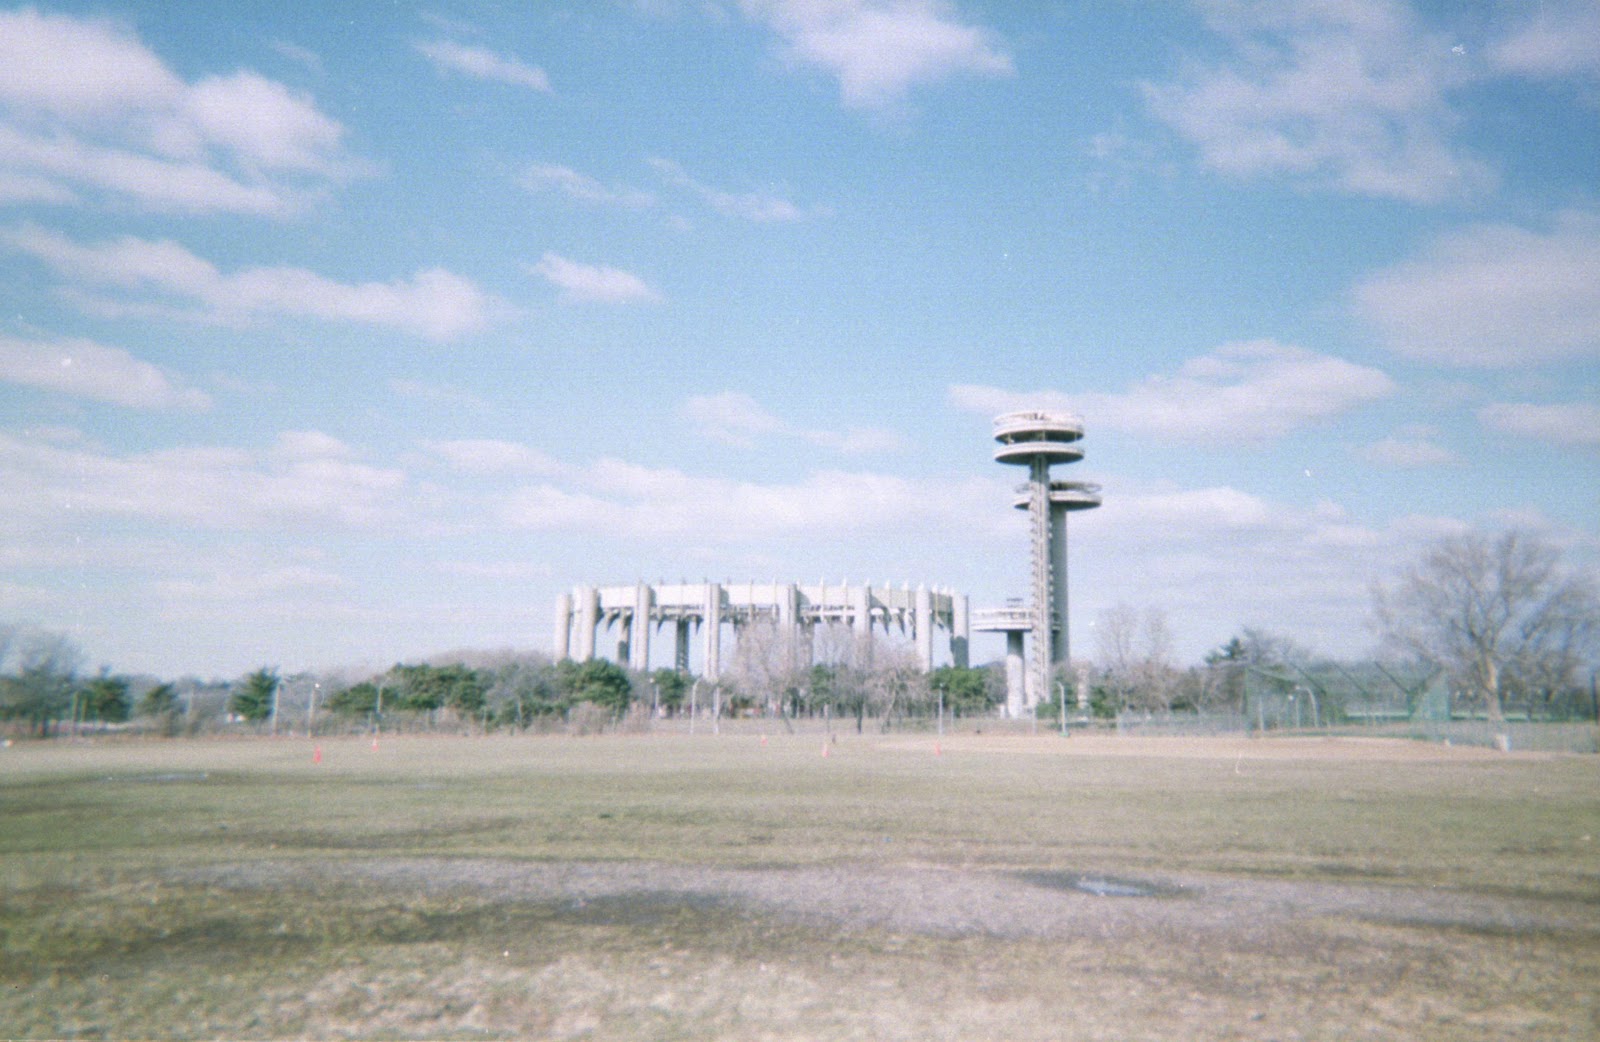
<point>1072,495</point>
<point>1027,436</point>
<point>1013,618</point>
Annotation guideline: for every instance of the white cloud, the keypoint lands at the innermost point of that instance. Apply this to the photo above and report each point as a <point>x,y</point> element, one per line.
<point>731,418</point>
<point>1202,509</point>
<point>85,369</point>
<point>620,499</point>
<point>86,107</point>
<point>260,120</point>
<point>857,441</point>
<point>1352,95</point>
<point>433,303</point>
<point>545,507</point>
<point>1408,454</point>
<point>1217,559</point>
<point>519,572</point>
<point>249,586</point>
<point>303,56</point>
<point>1560,38</point>
<point>593,282</point>
<point>880,49</point>
<point>491,456</point>
<point>439,394</point>
<point>484,64</point>
<point>545,176</point>
<point>1494,296</point>
<point>760,207</point>
<point>1243,392</point>
<point>734,418</point>
<point>305,478</point>
<point>1566,423</point>
<point>310,445</point>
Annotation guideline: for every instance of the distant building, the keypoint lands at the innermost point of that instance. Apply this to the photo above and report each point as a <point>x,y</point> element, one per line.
<point>635,612</point>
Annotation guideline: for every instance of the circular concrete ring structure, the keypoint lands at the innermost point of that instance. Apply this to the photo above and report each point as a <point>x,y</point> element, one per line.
<point>1028,436</point>
<point>796,609</point>
<point>1068,495</point>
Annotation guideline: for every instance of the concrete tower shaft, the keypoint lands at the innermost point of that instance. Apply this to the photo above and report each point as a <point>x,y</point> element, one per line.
<point>1065,497</point>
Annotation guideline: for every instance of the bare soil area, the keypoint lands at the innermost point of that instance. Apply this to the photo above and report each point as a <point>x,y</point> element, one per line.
<point>940,901</point>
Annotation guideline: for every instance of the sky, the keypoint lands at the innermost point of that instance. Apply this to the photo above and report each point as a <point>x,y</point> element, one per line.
<point>331,340</point>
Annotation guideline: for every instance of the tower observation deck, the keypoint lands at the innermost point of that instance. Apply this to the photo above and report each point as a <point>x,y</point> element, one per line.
<point>1039,440</point>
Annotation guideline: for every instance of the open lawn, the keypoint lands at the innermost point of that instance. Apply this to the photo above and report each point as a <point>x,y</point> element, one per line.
<point>674,887</point>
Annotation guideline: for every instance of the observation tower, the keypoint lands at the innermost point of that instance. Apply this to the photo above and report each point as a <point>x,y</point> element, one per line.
<point>1039,440</point>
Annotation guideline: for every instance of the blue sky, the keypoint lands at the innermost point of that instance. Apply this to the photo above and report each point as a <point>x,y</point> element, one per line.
<point>348,339</point>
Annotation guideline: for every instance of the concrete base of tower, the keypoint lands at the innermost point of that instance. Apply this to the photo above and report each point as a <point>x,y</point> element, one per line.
<point>1016,677</point>
<point>1016,622</point>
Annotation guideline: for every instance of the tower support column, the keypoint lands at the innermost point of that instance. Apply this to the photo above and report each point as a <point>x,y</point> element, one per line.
<point>588,621</point>
<point>861,621</point>
<point>1016,676</point>
<point>639,630</point>
<point>563,627</point>
<point>1060,648</point>
<point>680,647</point>
<point>922,622</point>
<point>713,635</point>
<point>960,630</point>
<point>1043,601</point>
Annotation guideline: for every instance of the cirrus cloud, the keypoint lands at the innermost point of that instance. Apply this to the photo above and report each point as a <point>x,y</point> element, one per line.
<point>1251,391</point>
<point>481,63</point>
<point>1494,295</point>
<point>87,110</point>
<point>85,369</point>
<point>735,418</point>
<point>1563,423</point>
<point>760,207</point>
<point>575,185</point>
<point>880,50</point>
<point>305,477</point>
<point>593,282</point>
<point>1352,95</point>
<point>159,276</point>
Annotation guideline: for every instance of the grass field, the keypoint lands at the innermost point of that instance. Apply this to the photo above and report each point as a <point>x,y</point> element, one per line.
<point>651,887</point>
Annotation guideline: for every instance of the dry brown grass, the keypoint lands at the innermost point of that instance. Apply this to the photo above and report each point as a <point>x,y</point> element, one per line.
<point>649,888</point>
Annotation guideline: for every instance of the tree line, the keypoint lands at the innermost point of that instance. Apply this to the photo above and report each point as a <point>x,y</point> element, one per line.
<point>1500,622</point>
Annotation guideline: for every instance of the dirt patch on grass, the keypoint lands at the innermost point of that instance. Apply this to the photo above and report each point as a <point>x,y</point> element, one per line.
<point>1211,747</point>
<point>943,902</point>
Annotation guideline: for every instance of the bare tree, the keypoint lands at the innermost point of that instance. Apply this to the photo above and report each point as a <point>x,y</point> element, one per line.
<point>1134,653</point>
<point>895,684</point>
<point>767,664</point>
<point>1500,615</point>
